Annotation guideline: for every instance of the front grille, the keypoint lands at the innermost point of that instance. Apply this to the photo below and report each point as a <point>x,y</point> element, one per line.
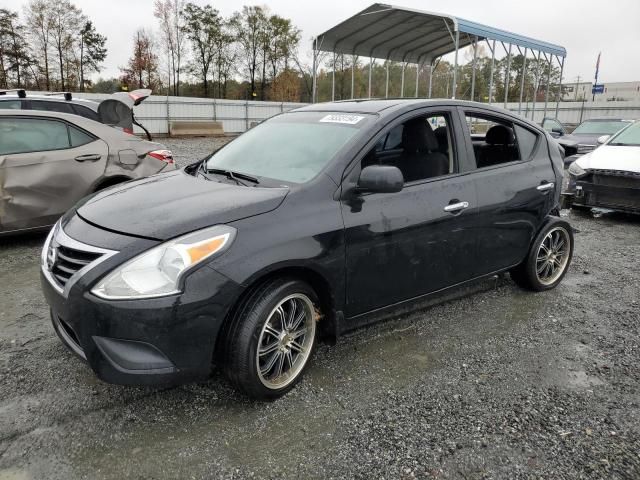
<point>66,261</point>
<point>612,188</point>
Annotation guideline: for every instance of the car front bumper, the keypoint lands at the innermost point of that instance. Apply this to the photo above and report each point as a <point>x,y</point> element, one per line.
<point>160,341</point>
<point>614,190</point>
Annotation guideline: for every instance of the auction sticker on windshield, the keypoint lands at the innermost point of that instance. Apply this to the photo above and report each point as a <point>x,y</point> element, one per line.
<point>340,118</point>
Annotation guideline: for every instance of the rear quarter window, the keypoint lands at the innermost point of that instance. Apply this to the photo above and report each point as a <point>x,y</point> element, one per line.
<point>527,141</point>
<point>79,137</point>
<point>85,112</point>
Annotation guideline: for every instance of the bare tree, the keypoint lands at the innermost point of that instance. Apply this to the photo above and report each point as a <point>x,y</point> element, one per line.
<point>40,24</point>
<point>142,69</point>
<point>169,14</point>
<point>66,19</point>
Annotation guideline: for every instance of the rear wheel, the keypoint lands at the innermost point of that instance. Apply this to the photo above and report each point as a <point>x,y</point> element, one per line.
<point>271,338</point>
<point>548,259</point>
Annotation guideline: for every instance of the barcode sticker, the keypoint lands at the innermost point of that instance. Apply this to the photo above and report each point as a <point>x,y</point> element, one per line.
<point>341,118</point>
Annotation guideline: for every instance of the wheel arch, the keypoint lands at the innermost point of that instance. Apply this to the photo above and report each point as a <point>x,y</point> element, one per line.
<point>328,325</point>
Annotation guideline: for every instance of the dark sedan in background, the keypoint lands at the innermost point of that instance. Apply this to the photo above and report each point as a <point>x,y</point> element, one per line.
<point>584,137</point>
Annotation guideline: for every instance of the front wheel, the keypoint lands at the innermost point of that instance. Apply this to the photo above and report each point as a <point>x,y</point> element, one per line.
<point>271,338</point>
<point>548,259</point>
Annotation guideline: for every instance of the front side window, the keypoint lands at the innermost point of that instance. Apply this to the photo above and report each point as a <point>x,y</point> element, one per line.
<point>549,125</point>
<point>599,128</point>
<point>22,135</point>
<point>629,137</point>
<point>293,147</point>
<point>422,148</point>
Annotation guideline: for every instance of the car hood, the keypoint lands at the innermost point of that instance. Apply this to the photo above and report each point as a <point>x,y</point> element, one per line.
<point>610,157</point>
<point>164,206</point>
<point>581,139</point>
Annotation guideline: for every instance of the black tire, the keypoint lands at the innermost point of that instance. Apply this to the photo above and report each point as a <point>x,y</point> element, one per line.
<point>246,332</point>
<point>527,274</point>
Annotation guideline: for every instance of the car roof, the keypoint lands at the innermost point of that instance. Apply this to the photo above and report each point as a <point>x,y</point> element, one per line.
<point>54,98</point>
<point>396,106</point>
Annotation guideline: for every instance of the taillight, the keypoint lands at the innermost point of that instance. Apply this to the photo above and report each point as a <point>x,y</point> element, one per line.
<point>164,155</point>
<point>128,130</point>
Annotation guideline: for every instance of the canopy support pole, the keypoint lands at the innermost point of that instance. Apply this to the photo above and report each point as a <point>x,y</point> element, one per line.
<point>386,87</point>
<point>417,77</point>
<point>314,79</point>
<point>473,68</point>
<point>454,83</point>
<point>402,80</point>
<point>559,94</point>
<point>430,78</point>
<point>370,68</point>
<point>522,75</point>
<point>333,79</point>
<point>546,94</point>
<point>353,75</point>
<point>535,89</point>
<point>493,66</point>
<point>507,76</point>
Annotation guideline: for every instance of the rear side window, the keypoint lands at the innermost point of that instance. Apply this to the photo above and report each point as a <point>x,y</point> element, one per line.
<point>11,104</point>
<point>85,112</point>
<point>61,107</point>
<point>23,135</point>
<point>79,137</point>
<point>498,141</point>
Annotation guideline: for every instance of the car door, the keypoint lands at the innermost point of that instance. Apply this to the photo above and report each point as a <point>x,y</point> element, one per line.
<point>406,244</point>
<point>46,165</point>
<point>515,184</point>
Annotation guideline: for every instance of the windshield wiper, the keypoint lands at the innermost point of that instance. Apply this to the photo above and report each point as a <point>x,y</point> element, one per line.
<point>236,176</point>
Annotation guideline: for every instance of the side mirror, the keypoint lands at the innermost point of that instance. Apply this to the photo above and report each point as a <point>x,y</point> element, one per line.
<point>603,139</point>
<point>558,131</point>
<point>380,179</point>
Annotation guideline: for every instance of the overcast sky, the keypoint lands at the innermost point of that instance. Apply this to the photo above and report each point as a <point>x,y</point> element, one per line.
<point>584,27</point>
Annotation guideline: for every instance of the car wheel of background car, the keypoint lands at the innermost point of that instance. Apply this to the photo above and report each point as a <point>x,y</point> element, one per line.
<point>270,338</point>
<point>548,259</point>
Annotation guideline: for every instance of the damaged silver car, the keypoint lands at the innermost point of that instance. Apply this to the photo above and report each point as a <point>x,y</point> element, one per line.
<point>50,160</point>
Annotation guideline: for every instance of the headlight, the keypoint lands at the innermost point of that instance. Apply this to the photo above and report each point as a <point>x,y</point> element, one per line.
<point>576,170</point>
<point>157,271</point>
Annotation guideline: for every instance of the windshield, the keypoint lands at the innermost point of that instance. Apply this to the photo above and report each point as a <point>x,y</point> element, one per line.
<point>293,147</point>
<point>599,128</point>
<point>628,137</point>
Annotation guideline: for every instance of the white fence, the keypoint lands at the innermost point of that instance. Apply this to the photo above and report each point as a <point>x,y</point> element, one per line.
<point>156,112</point>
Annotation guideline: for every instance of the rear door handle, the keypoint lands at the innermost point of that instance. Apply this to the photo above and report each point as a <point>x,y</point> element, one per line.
<point>455,207</point>
<point>91,157</point>
<point>545,187</point>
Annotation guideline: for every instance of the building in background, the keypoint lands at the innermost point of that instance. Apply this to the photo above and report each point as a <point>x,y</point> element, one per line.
<point>613,92</point>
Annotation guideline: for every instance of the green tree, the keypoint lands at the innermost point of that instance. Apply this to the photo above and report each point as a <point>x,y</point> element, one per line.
<point>92,51</point>
<point>204,27</point>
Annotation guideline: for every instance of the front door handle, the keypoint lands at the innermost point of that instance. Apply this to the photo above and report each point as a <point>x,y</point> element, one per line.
<point>91,157</point>
<point>456,207</point>
<point>545,187</point>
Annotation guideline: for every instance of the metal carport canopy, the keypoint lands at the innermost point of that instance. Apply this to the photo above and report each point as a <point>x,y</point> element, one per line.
<point>414,36</point>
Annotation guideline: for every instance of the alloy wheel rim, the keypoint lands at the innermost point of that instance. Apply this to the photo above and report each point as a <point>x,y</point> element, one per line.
<point>553,256</point>
<point>285,341</point>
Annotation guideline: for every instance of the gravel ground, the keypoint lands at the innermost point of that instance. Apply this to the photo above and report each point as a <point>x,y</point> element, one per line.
<point>499,383</point>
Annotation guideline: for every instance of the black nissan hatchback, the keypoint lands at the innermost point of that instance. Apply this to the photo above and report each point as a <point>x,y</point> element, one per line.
<point>314,222</point>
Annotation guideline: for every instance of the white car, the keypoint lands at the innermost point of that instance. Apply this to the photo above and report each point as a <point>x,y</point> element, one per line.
<point>609,176</point>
